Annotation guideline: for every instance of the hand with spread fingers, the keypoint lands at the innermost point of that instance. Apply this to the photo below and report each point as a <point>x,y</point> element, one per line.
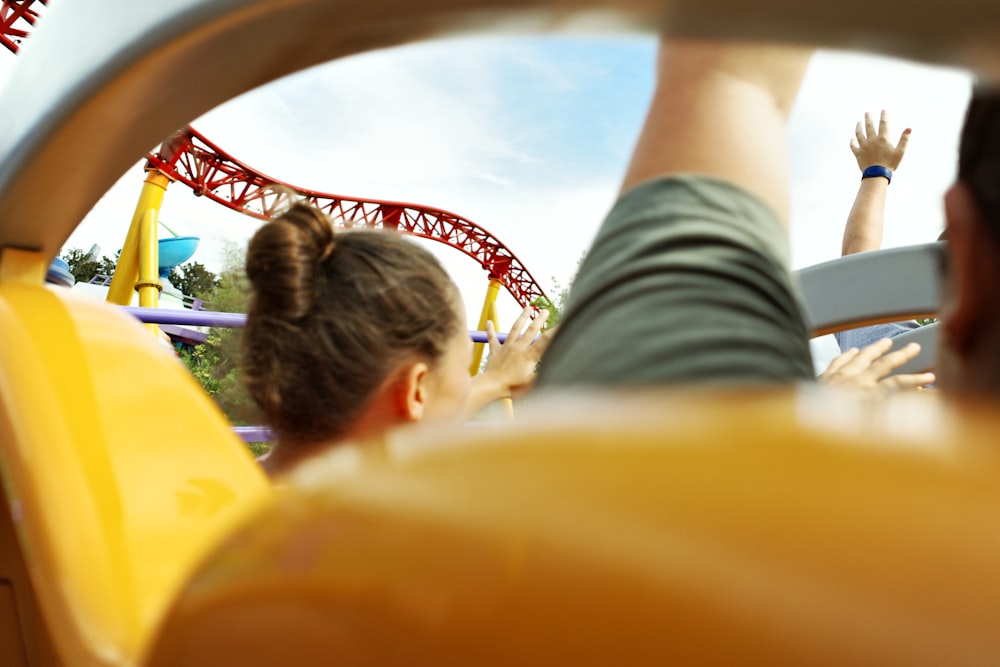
<point>873,147</point>
<point>512,363</point>
<point>510,369</point>
<point>868,369</point>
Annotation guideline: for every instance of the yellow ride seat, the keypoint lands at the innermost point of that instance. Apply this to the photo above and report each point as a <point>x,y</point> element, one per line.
<point>119,473</point>
<point>732,528</point>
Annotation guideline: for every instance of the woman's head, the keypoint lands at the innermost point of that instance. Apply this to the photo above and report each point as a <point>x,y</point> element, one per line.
<point>348,328</point>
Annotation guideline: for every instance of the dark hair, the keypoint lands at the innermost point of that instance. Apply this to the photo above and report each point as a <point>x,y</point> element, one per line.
<point>979,154</point>
<point>332,316</point>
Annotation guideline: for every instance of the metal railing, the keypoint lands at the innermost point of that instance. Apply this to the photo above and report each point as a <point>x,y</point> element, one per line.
<point>208,318</point>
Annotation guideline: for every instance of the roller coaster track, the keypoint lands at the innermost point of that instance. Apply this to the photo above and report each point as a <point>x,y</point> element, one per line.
<point>190,158</point>
<point>17,17</point>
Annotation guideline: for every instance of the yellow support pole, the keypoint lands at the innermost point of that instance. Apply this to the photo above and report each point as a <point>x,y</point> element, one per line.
<point>127,268</point>
<point>489,308</point>
<point>149,280</point>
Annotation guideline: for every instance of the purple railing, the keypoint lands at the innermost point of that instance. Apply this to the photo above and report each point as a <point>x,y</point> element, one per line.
<point>208,318</point>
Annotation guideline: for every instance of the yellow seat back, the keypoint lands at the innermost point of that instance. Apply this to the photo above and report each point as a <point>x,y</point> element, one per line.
<point>119,471</point>
<point>662,529</point>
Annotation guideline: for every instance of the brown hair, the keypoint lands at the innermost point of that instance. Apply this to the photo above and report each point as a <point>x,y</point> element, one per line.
<point>979,154</point>
<point>331,317</point>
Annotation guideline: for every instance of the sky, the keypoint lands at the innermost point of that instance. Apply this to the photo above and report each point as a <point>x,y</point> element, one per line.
<point>529,138</point>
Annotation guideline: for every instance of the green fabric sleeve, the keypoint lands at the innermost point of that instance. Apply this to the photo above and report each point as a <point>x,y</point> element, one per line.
<point>687,281</point>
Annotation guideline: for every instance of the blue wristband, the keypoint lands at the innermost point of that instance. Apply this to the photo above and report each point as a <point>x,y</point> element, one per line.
<point>875,171</point>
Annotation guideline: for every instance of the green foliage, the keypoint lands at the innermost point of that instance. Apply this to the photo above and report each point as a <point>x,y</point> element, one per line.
<point>84,267</point>
<point>924,321</point>
<point>193,279</point>
<point>556,308</point>
<point>215,363</point>
<point>258,449</point>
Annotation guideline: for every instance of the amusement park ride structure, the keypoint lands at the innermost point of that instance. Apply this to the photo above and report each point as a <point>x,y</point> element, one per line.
<point>793,526</point>
<point>17,17</point>
<point>191,158</point>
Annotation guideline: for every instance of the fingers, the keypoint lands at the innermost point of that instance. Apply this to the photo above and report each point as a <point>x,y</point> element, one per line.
<point>855,147</point>
<point>862,361</point>
<point>542,342</point>
<point>839,362</point>
<point>904,139</point>
<point>907,382</point>
<point>517,328</point>
<point>525,328</point>
<point>859,134</point>
<point>883,123</point>
<point>536,325</point>
<point>890,362</point>
<point>870,126</point>
<point>491,337</point>
<point>869,367</point>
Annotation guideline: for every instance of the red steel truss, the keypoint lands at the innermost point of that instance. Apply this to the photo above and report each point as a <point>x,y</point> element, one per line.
<point>192,159</point>
<point>16,18</point>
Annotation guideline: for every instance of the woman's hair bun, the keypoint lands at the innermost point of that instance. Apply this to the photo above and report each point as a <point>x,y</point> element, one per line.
<point>283,261</point>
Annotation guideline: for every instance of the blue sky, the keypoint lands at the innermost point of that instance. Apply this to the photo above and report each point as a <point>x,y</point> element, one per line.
<point>529,138</point>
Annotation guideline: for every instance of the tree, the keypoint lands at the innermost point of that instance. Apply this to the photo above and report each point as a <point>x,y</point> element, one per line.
<point>85,265</point>
<point>215,363</point>
<point>556,307</point>
<point>193,279</point>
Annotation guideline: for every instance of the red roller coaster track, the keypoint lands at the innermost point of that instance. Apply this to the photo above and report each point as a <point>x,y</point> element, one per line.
<point>192,159</point>
<point>16,19</point>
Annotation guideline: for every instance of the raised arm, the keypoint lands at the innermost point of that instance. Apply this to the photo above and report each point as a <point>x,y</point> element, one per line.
<point>721,110</point>
<point>873,149</point>
<point>687,280</point>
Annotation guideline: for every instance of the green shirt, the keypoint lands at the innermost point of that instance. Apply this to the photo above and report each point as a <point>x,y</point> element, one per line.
<point>687,281</point>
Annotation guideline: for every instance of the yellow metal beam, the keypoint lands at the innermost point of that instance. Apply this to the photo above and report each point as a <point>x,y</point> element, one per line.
<point>489,309</point>
<point>127,269</point>
<point>149,280</point>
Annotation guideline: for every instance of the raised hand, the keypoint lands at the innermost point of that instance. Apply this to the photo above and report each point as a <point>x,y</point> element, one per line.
<point>873,146</point>
<point>512,364</point>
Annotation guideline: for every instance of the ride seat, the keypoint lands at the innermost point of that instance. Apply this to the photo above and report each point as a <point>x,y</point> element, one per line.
<point>119,472</point>
<point>771,527</point>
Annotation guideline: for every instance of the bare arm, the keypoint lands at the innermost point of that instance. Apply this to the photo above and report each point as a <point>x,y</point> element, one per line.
<point>720,109</point>
<point>687,279</point>
<point>871,147</point>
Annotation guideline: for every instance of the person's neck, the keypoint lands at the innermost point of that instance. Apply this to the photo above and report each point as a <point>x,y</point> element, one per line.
<point>370,427</point>
<point>284,457</point>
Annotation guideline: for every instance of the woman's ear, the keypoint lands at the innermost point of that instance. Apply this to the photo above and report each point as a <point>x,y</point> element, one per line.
<point>966,288</point>
<point>413,392</point>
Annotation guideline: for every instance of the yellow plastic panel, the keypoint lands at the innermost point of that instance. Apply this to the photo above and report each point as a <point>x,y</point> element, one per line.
<point>771,529</point>
<point>122,469</point>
